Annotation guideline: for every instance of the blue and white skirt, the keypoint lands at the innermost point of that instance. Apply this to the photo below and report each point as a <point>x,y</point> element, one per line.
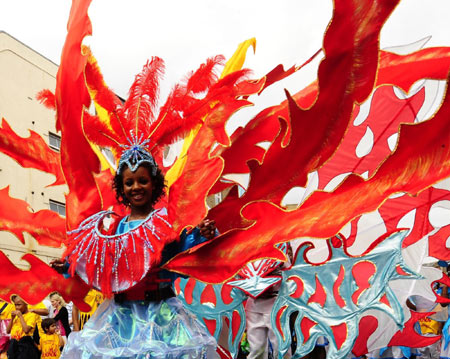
<point>138,330</point>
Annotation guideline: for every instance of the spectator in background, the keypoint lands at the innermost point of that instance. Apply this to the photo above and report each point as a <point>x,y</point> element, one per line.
<point>5,317</point>
<point>94,298</point>
<point>42,311</point>
<point>61,315</point>
<point>258,314</point>
<point>51,341</point>
<point>427,326</point>
<point>21,328</point>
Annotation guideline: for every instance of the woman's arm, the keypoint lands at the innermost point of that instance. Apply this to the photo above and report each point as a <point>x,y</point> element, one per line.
<point>63,316</point>
<point>61,266</point>
<point>208,228</point>
<point>61,340</point>
<point>205,231</point>
<point>39,311</point>
<point>75,318</point>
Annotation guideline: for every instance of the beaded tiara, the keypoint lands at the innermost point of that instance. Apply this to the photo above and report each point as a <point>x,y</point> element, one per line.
<point>135,154</point>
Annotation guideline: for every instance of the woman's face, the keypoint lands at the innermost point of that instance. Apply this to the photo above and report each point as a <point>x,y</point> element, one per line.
<point>55,302</point>
<point>138,187</point>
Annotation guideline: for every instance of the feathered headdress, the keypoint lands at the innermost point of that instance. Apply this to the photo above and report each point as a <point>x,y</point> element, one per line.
<point>135,128</point>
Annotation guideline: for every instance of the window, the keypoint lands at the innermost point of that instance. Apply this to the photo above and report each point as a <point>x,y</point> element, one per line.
<point>217,198</point>
<point>108,155</point>
<point>54,141</point>
<point>58,207</point>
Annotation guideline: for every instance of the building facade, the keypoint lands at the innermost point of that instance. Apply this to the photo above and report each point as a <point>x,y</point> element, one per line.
<point>23,73</point>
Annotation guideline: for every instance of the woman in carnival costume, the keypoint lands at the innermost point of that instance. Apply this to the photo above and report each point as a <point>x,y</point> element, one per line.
<point>145,319</point>
<point>124,257</point>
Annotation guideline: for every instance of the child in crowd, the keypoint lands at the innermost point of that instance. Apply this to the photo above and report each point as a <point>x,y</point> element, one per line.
<point>51,341</point>
<point>21,328</point>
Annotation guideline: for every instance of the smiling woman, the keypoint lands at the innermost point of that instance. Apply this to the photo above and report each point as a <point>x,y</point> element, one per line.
<point>61,314</point>
<point>168,327</point>
<point>123,257</point>
<point>127,256</point>
<point>138,190</point>
<point>126,183</point>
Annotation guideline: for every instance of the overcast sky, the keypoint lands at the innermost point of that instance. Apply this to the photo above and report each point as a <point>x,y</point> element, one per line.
<point>184,33</point>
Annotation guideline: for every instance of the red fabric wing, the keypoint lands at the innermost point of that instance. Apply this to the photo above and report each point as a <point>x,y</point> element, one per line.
<point>31,152</point>
<point>409,169</point>
<point>77,158</point>
<point>35,284</point>
<point>16,217</point>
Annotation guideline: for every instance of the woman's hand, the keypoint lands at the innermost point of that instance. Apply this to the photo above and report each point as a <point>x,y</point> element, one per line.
<point>207,228</point>
<point>58,265</point>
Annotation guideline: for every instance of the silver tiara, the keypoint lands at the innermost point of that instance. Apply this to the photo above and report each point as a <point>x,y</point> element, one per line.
<point>135,154</point>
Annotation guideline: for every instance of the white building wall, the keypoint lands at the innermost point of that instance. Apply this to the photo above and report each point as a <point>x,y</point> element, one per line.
<point>23,73</point>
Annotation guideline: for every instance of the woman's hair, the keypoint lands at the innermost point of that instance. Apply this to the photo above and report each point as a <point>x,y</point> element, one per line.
<point>158,184</point>
<point>57,296</point>
<point>46,323</point>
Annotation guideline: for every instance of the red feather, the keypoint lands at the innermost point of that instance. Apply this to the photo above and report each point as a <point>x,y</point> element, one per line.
<point>177,117</point>
<point>98,132</point>
<point>202,79</point>
<point>231,79</point>
<point>175,129</point>
<point>47,98</point>
<point>182,112</point>
<point>143,97</point>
